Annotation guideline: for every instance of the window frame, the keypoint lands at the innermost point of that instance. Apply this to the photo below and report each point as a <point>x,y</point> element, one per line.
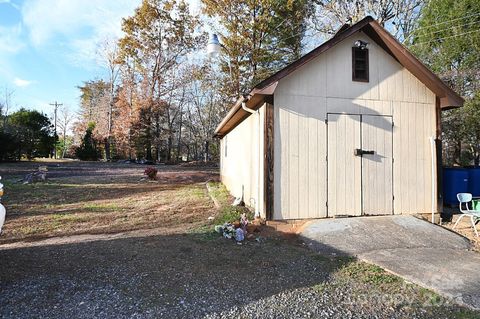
<point>367,66</point>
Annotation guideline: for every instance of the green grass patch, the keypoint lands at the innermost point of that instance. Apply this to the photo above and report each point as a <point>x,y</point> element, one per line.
<point>70,218</point>
<point>204,233</point>
<point>367,273</point>
<point>229,214</point>
<point>320,288</point>
<point>226,213</point>
<point>194,192</point>
<point>29,230</point>
<point>219,192</point>
<point>59,221</point>
<point>100,207</point>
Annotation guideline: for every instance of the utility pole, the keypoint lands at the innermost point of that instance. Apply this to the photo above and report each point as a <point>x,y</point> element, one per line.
<point>56,105</point>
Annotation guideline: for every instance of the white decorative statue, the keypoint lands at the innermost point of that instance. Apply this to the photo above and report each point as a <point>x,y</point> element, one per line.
<point>2,208</point>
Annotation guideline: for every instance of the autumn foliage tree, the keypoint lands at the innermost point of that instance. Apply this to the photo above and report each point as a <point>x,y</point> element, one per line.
<point>158,37</point>
<point>259,37</point>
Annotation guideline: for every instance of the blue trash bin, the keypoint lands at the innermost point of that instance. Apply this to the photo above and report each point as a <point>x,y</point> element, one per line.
<point>455,180</point>
<point>474,181</point>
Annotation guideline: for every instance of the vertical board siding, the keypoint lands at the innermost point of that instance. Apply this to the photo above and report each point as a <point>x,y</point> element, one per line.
<point>414,124</point>
<point>303,176</point>
<point>344,168</point>
<point>302,101</point>
<point>377,168</point>
<point>312,185</point>
<point>299,159</point>
<point>244,160</point>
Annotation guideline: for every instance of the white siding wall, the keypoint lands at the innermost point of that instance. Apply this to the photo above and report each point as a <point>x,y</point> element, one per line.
<point>325,85</point>
<point>243,163</point>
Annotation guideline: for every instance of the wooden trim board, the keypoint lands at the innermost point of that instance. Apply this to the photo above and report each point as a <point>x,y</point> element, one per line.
<point>269,144</point>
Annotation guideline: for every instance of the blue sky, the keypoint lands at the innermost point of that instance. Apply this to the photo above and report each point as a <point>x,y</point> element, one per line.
<point>47,47</point>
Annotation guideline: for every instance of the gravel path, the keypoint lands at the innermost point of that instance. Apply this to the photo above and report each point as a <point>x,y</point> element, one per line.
<point>191,276</point>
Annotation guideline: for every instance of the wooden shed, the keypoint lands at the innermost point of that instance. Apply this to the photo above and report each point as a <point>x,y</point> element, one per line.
<point>352,128</point>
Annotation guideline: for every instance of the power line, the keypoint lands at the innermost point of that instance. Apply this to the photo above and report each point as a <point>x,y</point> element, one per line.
<point>453,26</point>
<point>447,21</point>
<point>421,28</point>
<point>452,36</point>
<point>56,105</point>
<point>415,32</point>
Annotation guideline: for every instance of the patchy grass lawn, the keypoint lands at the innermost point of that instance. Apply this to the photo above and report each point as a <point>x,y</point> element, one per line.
<point>91,198</point>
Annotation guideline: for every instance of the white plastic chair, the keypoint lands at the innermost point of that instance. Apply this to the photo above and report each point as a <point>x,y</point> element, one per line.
<point>465,198</point>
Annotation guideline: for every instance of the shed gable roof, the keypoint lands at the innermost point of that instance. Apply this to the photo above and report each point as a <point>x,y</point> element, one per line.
<point>266,88</point>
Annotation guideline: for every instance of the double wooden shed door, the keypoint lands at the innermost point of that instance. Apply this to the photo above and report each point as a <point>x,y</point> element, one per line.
<point>359,165</point>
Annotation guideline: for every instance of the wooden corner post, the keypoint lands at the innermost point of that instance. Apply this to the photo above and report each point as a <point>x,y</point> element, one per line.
<point>269,145</point>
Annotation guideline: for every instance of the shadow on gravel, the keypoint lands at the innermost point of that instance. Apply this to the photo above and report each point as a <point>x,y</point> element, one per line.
<point>201,276</point>
<point>160,276</point>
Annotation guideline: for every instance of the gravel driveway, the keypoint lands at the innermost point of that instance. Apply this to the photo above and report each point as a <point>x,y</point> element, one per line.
<point>193,276</point>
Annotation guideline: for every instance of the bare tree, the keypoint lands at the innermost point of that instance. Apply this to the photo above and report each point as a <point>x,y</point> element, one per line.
<point>204,111</point>
<point>64,120</point>
<point>5,104</point>
<point>399,16</point>
<point>108,53</point>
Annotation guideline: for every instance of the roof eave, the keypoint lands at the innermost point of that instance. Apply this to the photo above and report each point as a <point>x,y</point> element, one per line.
<point>448,97</point>
<point>255,100</point>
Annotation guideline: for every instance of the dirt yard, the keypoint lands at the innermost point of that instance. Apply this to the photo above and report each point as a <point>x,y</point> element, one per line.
<point>96,242</point>
<point>92,198</point>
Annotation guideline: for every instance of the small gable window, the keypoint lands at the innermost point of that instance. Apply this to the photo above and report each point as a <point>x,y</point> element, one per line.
<point>360,64</point>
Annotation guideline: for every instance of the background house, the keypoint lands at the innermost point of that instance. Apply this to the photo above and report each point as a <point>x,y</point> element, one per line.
<point>348,129</point>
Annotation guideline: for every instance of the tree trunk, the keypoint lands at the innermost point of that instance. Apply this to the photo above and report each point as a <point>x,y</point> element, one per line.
<point>64,141</point>
<point>206,155</point>
<point>148,138</point>
<point>179,145</point>
<point>148,154</point>
<point>107,149</point>
<point>457,153</point>
<point>169,147</point>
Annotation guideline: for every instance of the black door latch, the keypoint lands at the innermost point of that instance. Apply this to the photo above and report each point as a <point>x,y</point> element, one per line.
<point>360,152</point>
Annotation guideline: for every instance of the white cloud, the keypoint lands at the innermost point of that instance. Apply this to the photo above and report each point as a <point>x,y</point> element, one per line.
<point>21,83</point>
<point>77,25</point>
<point>10,3</point>
<point>46,19</point>
<point>10,39</point>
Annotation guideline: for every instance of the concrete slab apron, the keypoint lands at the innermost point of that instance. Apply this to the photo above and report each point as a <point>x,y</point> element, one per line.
<point>416,250</point>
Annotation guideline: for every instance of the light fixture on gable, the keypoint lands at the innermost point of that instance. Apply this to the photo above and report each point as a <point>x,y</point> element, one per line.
<point>214,46</point>
<point>361,44</point>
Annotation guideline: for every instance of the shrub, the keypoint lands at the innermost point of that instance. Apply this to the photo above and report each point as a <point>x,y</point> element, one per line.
<point>88,150</point>
<point>151,172</point>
